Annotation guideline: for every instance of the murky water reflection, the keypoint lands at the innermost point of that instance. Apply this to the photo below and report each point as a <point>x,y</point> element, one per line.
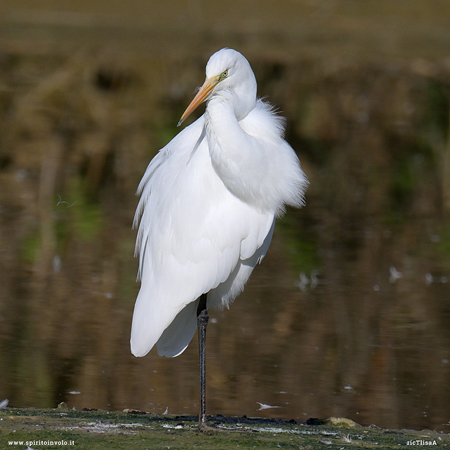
<point>366,345</point>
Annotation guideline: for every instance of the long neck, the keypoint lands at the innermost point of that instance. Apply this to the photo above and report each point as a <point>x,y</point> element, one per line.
<point>253,161</point>
<point>235,155</point>
<point>228,143</point>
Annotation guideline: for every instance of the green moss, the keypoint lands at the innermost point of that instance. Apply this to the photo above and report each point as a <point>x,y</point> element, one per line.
<point>118,430</point>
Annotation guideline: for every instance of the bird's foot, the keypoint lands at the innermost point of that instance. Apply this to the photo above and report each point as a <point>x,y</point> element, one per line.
<point>204,427</point>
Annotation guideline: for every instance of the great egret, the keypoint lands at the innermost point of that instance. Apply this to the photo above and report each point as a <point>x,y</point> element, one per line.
<point>207,210</point>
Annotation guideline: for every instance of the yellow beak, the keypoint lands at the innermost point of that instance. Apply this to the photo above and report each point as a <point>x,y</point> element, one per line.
<point>201,96</point>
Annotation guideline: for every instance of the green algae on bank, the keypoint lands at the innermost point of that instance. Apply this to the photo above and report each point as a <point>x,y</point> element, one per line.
<point>63,428</point>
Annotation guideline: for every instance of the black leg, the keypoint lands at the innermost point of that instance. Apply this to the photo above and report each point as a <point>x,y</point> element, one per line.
<point>202,322</point>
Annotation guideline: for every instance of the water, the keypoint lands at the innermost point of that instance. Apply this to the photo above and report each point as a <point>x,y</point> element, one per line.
<point>356,342</point>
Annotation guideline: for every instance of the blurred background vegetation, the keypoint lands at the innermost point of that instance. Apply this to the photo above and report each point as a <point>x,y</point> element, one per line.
<point>349,313</point>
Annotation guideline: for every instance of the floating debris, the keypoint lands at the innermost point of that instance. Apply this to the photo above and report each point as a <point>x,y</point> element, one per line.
<point>61,202</point>
<point>430,279</point>
<point>56,264</point>
<point>304,281</point>
<point>264,406</point>
<point>395,275</point>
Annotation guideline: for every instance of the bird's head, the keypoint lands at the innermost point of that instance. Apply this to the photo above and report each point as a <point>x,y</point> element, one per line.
<point>227,71</point>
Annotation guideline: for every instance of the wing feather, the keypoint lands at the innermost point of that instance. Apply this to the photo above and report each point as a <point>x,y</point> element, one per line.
<point>194,237</point>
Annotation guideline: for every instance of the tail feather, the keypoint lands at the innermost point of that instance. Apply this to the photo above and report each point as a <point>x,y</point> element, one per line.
<point>179,333</point>
<point>156,321</point>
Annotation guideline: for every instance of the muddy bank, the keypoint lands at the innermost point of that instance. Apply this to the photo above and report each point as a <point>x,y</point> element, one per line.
<point>63,428</point>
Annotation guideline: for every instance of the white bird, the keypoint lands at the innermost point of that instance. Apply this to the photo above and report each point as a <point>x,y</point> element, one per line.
<point>207,210</point>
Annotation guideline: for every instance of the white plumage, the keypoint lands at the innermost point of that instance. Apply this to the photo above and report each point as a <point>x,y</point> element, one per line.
<point>208,204</point>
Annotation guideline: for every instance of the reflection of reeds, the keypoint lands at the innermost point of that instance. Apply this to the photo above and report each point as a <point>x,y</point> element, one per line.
<point>446,172</point>
<point>372,141</point>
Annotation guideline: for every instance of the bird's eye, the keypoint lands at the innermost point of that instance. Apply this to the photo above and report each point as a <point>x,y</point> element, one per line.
<point>223,75</point>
